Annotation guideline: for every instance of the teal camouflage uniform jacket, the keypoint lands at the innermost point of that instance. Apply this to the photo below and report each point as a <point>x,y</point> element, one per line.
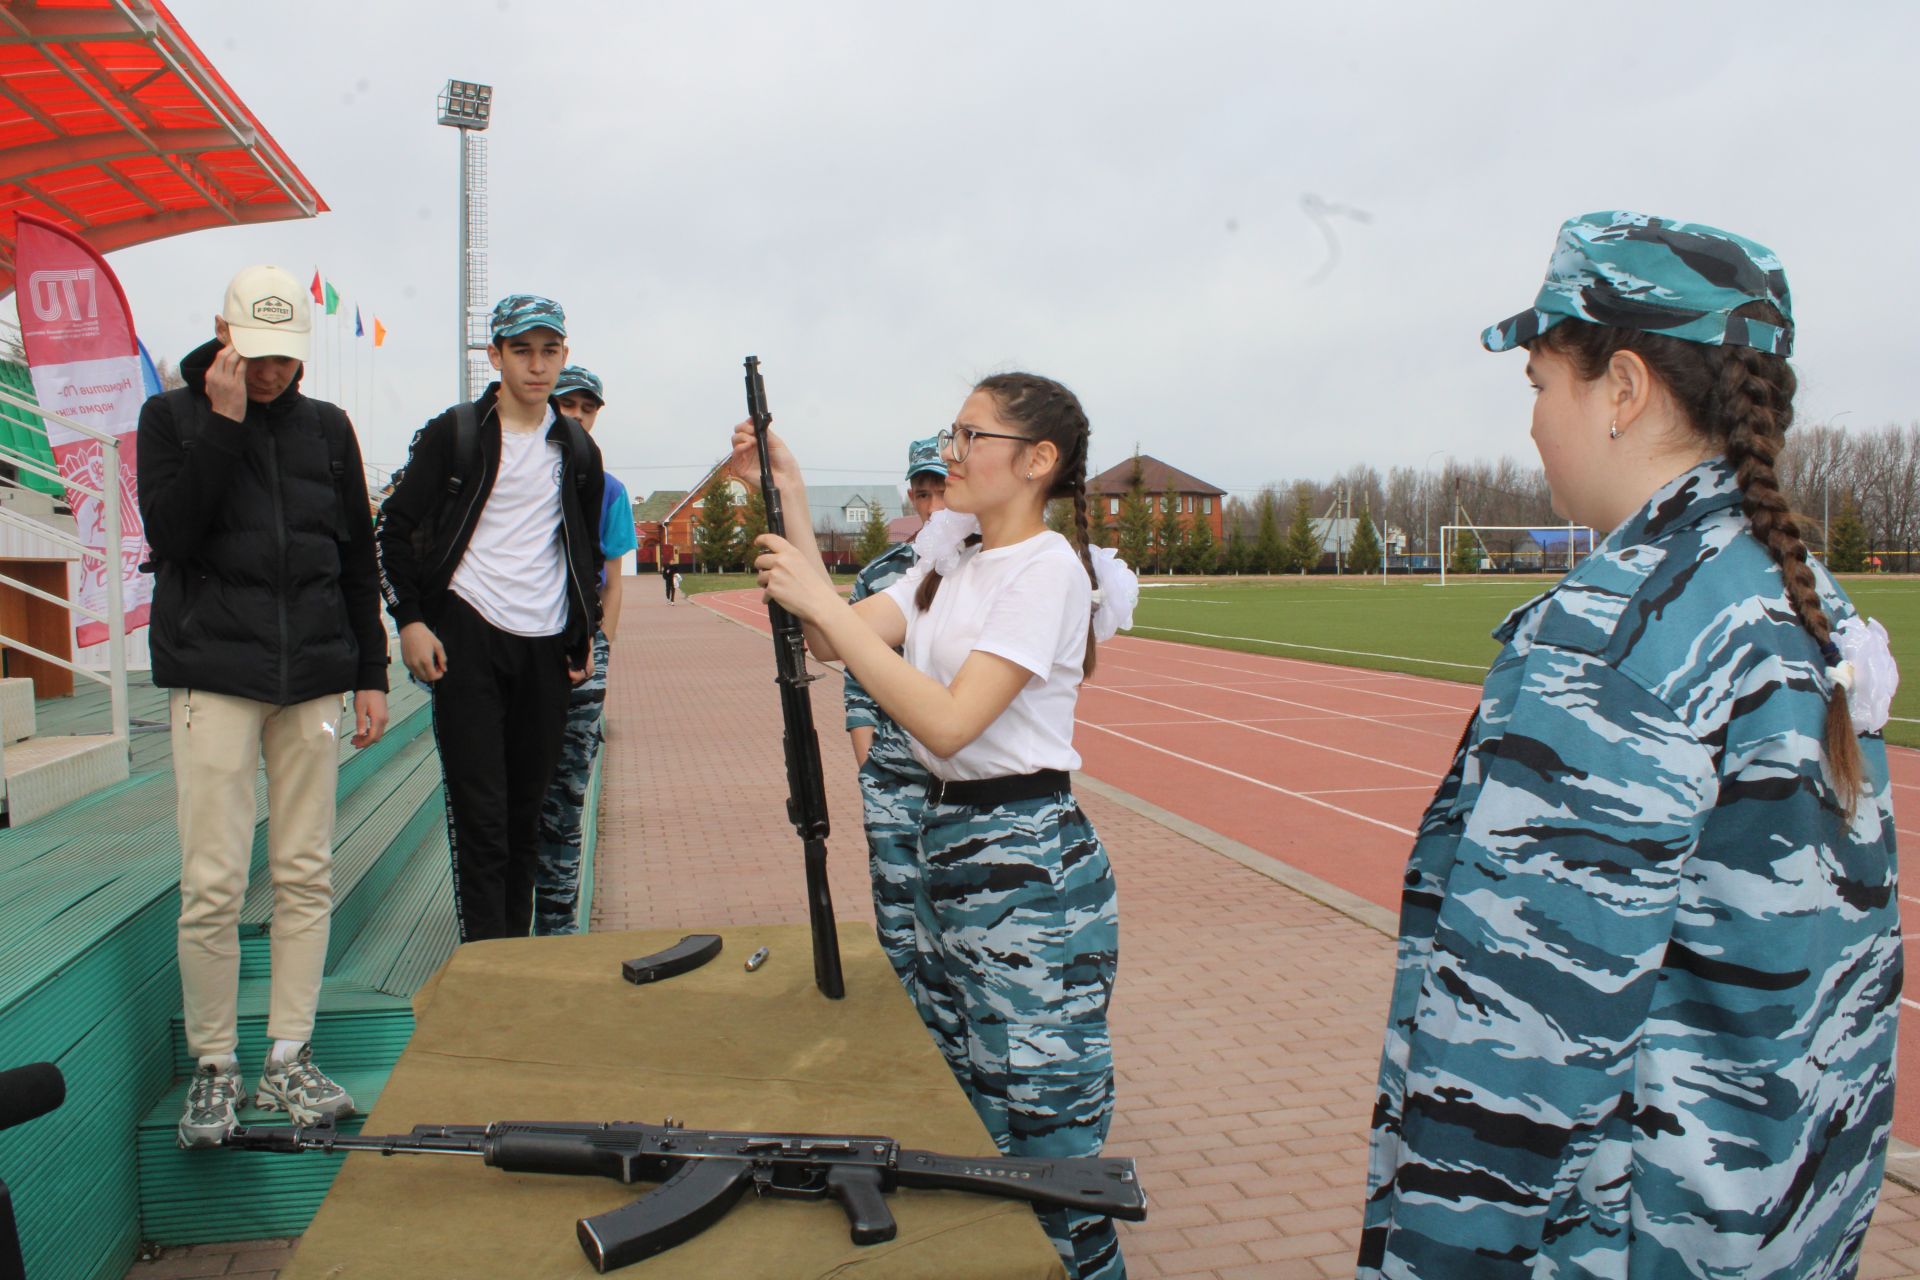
<point>891,745</point>
<point>1643,1022</point>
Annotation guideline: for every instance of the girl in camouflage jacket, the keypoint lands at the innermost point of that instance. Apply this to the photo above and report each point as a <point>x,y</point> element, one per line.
<point>1643,1023</point>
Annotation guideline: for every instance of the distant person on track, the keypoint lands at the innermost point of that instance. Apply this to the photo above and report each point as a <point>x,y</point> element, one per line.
<point>893,785</point>
<point>998,620</point>
<point>1649,968</point>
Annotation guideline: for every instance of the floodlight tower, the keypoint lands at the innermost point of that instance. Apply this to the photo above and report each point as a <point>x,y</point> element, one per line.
<point>468,107</point>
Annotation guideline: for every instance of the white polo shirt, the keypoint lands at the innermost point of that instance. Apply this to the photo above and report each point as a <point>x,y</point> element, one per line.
<point>1030,604</point>
<point>514,571</point>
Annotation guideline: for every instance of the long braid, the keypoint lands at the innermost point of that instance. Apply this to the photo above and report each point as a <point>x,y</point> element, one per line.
<point>1082,540</point>
<point>1743,398</point>
<point>1755,395</point>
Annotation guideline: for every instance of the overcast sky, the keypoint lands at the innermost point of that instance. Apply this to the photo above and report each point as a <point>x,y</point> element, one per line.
<point>886,201</point>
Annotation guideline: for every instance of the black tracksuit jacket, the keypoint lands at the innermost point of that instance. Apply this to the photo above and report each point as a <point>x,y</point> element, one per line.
<point>415,587</point>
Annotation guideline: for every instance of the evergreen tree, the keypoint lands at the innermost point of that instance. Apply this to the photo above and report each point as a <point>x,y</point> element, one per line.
<point>1168,537</point>
<point>716,533</point>
<point>1847,553</point>
<point>1302,551</point>
<point>1269,551</point>
<point>873,538</point>
<point>1234,555</point>
<point>1099,532</point>
<point>753,523</point>
<point>1060,517</point>
<point>1466,554</point>
<point>1135,538</point>
<point>1364,555</point>
<point>1202,551</point>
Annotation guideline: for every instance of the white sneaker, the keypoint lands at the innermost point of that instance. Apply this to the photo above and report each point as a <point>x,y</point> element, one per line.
<point>302,1090</point>
<point>213,1102</point>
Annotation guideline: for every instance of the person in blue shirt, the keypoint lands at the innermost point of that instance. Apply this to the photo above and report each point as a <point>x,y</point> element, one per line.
<point>1644,1017</point>
<point>893,785</point>
<point>556,889</point>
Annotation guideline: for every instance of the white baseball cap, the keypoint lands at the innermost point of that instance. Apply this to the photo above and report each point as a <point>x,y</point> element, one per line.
<point>269,314</point>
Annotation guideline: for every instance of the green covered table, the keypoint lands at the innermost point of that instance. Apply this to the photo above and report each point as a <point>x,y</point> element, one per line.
<point>546,1029</point>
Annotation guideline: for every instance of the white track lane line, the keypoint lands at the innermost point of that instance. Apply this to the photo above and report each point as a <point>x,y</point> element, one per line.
<point>1313,648</point>
<point>1424,772</point>
<point>1269,786</point>
<point>1320,669</point>
<point>1370,791</point>
<point>1442,734</point>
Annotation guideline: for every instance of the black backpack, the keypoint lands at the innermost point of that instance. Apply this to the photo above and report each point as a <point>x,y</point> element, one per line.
<point>466,472</point>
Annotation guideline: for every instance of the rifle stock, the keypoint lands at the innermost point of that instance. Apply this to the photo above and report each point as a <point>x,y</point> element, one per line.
<point>806,790</point>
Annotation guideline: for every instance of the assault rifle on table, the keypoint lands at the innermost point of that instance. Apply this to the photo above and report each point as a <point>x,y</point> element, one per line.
<point>704,1172</point>
<point>806,793</point>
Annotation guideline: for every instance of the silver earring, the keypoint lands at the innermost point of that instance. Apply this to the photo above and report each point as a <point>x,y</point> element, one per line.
<point>1029,473</point>
<point>1613,431</point>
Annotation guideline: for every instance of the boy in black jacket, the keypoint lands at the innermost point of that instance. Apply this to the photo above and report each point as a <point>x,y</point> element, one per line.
<point>266,611</point>
<point>490,566</point>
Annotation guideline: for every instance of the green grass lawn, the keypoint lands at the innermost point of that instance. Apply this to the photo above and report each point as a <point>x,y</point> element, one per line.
<point>695,583</point>
<point>1413,626</point>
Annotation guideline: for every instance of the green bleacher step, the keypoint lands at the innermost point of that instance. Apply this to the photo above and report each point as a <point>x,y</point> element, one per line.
<point>355,1029</point>
<point>414,930</point>
<point>192,1196</point>
<point>381,817</point>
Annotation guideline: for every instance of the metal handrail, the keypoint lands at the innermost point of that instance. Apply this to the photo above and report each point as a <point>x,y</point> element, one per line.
<point>109,493</point>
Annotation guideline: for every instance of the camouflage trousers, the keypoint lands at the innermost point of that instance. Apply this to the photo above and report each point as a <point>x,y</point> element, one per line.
<point>894,804</point>
<point>556,883</point>
<point>1016,929</point>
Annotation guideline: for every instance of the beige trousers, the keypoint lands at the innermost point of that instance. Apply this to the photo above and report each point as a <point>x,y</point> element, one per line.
<point>218,743</point>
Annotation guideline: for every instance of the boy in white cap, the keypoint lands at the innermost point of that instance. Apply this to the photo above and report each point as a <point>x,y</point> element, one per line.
<point>266,611</point>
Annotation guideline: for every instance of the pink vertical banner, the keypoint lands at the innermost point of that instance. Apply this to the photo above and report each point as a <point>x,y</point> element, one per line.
<point>78,334</point>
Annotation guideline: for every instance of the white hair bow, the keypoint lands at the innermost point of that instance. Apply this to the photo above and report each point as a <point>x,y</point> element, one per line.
<point>1867,672</point>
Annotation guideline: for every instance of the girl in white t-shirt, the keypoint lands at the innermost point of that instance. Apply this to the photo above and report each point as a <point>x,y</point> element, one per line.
<point>997,621</point>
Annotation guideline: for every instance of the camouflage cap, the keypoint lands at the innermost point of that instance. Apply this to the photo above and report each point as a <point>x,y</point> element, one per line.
<point>924,456</point>
<point>577,377</point>
<point>1681,279</point>
<point>518,313</point>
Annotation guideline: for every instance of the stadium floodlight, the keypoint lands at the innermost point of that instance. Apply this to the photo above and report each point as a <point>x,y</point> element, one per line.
<point>468,107</point>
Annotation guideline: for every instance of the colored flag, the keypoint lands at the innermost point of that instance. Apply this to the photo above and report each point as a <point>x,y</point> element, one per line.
<point>315,288</point>
<point>379,332</point>
<point>358,332</point>
<point>78,334</point>
<point>333,298</point>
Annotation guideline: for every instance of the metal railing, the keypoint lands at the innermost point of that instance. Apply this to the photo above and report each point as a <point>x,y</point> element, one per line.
<point>109,496</point>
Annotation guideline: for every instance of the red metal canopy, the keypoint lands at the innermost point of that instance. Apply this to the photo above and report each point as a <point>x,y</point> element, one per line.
<point>113,122</point>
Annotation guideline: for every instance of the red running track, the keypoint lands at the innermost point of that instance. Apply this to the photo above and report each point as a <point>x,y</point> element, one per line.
<point>1325,768</point>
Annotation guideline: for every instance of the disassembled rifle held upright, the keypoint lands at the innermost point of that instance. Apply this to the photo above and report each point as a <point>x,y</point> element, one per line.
<point>705,1172</point>
<point>806,792</point>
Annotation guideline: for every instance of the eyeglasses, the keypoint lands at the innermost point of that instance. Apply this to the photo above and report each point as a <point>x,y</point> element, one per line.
<point>957,442</point>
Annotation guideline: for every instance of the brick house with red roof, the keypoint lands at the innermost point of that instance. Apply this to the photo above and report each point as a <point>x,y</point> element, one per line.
<point>1196,498</point>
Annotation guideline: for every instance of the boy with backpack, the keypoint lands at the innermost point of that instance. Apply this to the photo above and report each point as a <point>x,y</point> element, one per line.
<point>490,562</point>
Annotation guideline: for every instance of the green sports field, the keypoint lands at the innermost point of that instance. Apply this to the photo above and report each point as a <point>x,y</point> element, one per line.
<point>1415,626</point>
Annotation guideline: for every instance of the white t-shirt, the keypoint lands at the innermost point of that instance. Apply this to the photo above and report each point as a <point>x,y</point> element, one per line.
<point>1028,603</point>
<point>514,571</point>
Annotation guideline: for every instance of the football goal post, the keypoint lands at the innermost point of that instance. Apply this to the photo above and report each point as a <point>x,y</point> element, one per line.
<point>1538,548</point>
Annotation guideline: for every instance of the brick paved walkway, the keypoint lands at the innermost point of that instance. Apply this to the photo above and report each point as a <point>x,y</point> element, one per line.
<point>1247,1016</point>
